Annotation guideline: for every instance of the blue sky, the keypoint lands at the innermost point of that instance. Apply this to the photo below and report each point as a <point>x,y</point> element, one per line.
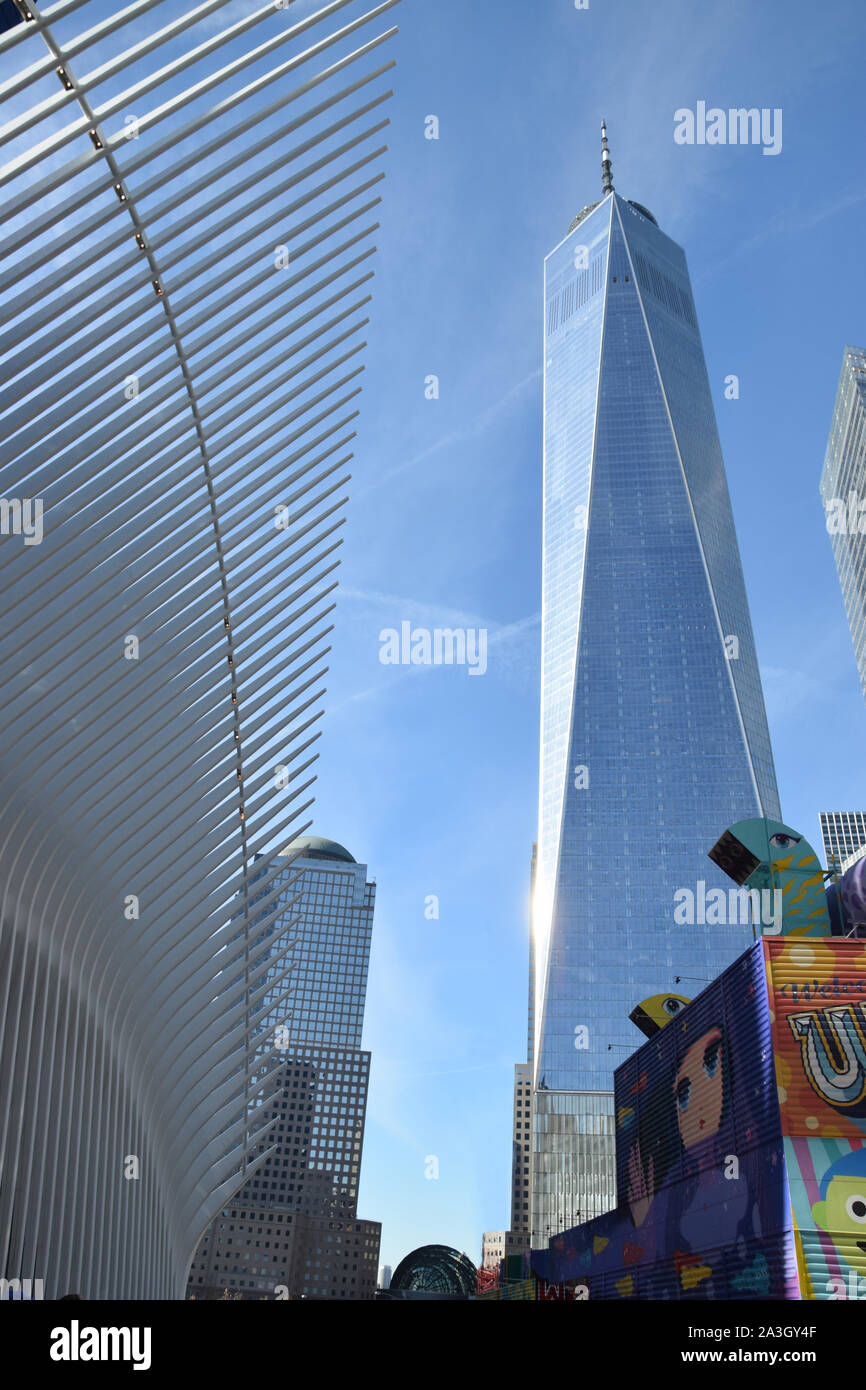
<point>429,775</point>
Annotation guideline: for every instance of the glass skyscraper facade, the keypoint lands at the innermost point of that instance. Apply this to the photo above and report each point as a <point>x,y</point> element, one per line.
<point>293,1225</point>
<point>654,735</point>
<point>843,491</point>
<point>844,837</point>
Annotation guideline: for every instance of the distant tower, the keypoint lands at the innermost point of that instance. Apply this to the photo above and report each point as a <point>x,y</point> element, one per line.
<point>844,836</point>
<point>653,730</point>
<point>303,1200</point>
<point>843,491</point>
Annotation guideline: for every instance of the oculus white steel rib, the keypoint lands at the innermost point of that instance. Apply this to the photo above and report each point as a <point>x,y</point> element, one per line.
<point>186,248</point>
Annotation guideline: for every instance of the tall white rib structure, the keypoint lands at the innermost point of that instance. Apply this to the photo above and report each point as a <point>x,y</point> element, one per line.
<point>187,205</point>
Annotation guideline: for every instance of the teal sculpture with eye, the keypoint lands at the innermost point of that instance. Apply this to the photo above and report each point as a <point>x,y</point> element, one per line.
<point>765,854</point>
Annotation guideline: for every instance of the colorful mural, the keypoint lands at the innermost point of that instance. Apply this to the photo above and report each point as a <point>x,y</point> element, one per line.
<point>703,1210</point>
<point>818,1001</point>
<point>741,1124</point>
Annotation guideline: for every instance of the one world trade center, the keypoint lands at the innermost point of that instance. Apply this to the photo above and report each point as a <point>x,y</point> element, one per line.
<point>654,735</point>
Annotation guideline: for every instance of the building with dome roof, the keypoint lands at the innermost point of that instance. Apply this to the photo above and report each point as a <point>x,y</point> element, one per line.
<point>293,1229</point>
<point>314,847</point>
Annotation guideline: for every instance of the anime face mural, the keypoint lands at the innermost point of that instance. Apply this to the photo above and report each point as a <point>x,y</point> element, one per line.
<point>712,1190</point>
<point>694,1212</point>
<point>703,1209</point>
<point>699,1088</point>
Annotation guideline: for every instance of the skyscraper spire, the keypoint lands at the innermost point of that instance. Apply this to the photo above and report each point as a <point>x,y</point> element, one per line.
<point>606,175</point>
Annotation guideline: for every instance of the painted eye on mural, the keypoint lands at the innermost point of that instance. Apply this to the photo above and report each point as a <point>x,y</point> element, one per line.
<point>781,841</point>
<point>856,1208</point>
<point>672,1006</point>
<point>711,1057</point>
<point>683,1093</point>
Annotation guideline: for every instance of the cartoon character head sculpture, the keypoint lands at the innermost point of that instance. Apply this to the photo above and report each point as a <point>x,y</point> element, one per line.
<point>767,855</point>
<point>651,1015</point>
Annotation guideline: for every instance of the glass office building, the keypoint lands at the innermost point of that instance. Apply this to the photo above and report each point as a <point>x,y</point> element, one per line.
<point>293,1225</point>
<point>654,735</point>
<point>843,492</point>
<point>844,837</point>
